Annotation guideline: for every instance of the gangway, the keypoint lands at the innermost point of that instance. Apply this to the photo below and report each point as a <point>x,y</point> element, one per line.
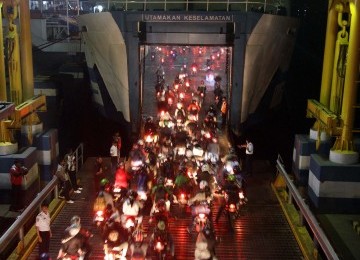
<point>261,232</point>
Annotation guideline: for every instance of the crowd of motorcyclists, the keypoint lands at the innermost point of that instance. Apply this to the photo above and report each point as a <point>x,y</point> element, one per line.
<point>174,169</point>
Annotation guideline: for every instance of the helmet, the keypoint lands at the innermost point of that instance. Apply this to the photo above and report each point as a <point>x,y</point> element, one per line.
<point>140,142</point>
<point>203,184</point>
<point>231,177</point>
<point>104,181</point>
<point>160,181</point>
<point>179,105</point>
<point>236,169</point>
<point>73,230</point>
<point>75,220</point>
<point>121,164</point>
<point>231,150</point>
<point>161,225</point>
<point>205,168</point>
<point>113,235</point>
<point>132,194</point>
<point>149,119</point>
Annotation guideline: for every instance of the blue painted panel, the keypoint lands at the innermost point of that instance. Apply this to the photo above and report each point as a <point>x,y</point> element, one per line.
<point>325,170</point>
<point>304,145</point>
<point>334,205</point>
<point>47,171</point>
<point>28,157</point>
<point>302,176</point>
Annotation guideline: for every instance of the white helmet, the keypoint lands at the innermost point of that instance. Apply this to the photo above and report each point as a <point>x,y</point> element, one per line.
<point>203,184</point>
<point>179,105</point>
<point>205,168</point>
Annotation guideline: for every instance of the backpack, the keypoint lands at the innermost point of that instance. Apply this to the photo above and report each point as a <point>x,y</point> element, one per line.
<point>152,158</point>
<point>100,203</point>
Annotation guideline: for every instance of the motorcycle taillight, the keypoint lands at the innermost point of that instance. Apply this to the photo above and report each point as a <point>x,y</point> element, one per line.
<point>159,246</point>
<point>148,139</point>
<point>232,208</point>
<point>182,196</point>
<point>202,216</point>
<point>241,195</point>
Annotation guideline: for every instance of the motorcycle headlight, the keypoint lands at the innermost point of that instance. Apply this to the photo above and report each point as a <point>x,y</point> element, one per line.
<point>232,208</point>
<point>159,246</point>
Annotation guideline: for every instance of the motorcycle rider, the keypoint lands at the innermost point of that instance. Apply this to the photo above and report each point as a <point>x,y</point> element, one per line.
<point>122,177</point>
<point>131,208</point>
<point>136,156</point>
<point>201,88</point>
<point>165,120</point>
<point>201,201</point>
<point>180,113</point>
<point>85,233</point>
<point>116,237</point>
<point>232,190</point>
<point>194,109</point>
<point>160,191</point>
<point>149,126</point>
<point>182,182</point>
<point>72,243</point>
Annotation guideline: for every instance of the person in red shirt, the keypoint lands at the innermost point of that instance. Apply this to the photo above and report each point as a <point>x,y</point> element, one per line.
<point>17,173</point>
<point>122,178</point>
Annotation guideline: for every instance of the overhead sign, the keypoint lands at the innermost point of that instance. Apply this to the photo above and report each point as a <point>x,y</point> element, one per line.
<point>186,18</point>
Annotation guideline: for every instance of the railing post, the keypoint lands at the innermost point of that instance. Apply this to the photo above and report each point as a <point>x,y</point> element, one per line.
<point>290,198</point>
<point>21,242</point>
<point>301,219</point>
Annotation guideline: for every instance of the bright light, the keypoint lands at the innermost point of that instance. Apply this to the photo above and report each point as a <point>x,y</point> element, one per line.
<point>99,8</point>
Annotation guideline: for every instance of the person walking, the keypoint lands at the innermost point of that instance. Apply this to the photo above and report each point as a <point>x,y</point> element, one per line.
<point>117,139</point>
<point>43,230</point>
<point>223,110</point>
<point>17,173</point>
<point>99,173</point>
<point>70,159</point>
<point>65,179</point>
<point>249,152</point>
<point>114,157</point>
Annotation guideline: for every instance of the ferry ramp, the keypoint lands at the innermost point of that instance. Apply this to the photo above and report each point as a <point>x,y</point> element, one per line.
<point>261,232</point>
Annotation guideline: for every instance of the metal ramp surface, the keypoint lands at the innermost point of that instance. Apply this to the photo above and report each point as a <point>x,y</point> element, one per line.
<point>261,232</point>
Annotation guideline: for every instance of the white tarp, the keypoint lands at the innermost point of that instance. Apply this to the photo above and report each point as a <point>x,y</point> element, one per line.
<point>108,52</point>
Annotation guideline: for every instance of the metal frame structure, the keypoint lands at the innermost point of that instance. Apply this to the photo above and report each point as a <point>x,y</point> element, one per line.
<point>282,182</point>
<point>165,5</point>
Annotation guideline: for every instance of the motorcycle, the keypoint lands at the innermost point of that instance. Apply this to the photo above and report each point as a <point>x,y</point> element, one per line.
<point>232,208</point>
<point>150,139</point>
<point>202,221</point>
<point>138,248</point>
<point>129,223</point>
<point>112,253</point>
<point>210,121</point>
<point>99,219</point>
<point>182,199</point>
<point>119,194</point>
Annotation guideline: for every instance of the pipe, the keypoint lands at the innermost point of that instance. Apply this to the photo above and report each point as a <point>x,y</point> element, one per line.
<point>27,76</point>
<point>352,70</point>
<point>328,62</point>
<point>3,96</point>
